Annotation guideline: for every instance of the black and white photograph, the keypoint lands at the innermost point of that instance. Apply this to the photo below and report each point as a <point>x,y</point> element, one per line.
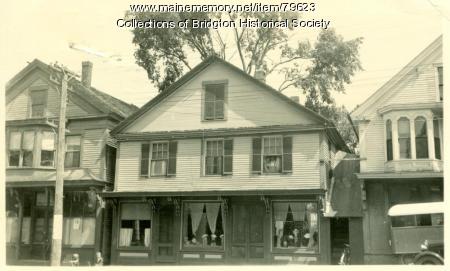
<point>223,135</point>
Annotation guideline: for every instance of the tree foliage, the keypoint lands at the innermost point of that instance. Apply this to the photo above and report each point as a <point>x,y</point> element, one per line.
<point>166,53</point>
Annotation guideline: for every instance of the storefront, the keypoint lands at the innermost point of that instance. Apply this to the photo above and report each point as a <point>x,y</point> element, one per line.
<point>253,229</point>
<point>29,225</point>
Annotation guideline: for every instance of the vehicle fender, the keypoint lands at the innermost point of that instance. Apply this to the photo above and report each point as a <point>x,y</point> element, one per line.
<point>428,253</point>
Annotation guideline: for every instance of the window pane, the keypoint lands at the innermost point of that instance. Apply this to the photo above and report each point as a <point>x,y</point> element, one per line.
<point>14,158</point>
<point>272,164</point>
<point>72,159</point>
<point>73,143</point>
<point>27,158</point>
<point>420,126</point>
<point>437,139</point>
<point>389,140</point>
<point>404,138</point>
<point>403,128</point>
<point>203,225</point>
<point>47,158</point>
<point>295,225</point>
<point>158,167</point>
<point>15,140</point>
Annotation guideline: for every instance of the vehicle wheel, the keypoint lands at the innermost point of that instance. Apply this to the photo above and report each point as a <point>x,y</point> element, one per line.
<point>428,260</point>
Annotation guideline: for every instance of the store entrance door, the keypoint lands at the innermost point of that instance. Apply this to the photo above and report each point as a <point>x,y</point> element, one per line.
<point>247,232</point>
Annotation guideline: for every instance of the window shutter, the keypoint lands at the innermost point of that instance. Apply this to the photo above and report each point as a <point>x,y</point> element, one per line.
<point>172,168</point>
<point>287,154</point>
<point>228,156</point>
<point>256,159</point>
<point>145,152</point>
<point>209,103</point>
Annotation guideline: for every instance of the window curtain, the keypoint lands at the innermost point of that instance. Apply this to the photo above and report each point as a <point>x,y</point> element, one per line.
<point>26,229</point>
<point>28,140</point>
<point>11,229</point>
<point>79,231</point>
<point>212,212</point>
<point>298,211</point>
<point>125,236</point>
<point>48,141</point>
<point>147,237</point>
<point>14,140</point>
<point>196,210</point>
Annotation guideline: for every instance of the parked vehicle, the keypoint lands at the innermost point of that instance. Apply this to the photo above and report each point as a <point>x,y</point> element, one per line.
<point>432,253</point>
<point>415,228</point>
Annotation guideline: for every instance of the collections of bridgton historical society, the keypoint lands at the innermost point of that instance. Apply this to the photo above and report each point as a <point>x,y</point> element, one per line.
<point>220,23</point>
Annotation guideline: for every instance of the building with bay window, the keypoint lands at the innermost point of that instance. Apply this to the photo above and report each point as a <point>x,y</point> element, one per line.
<point>32,110</point>
<point>401,147</point>
<point>221,168</point>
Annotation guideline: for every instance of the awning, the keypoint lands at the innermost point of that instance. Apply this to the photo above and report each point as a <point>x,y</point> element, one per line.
<point>416,209</point>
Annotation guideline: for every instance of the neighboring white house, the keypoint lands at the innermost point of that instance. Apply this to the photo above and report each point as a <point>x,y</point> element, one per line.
<point>401,146</point>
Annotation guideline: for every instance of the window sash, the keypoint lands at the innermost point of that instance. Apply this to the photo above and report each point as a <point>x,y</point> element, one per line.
<point>272,150</point>
<point>437,139</point>
<point>214,157</point>
<point>159,159</point>
<point>214,104</point>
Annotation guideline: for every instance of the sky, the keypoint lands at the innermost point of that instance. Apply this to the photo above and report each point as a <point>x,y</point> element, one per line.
<point>394,32</point>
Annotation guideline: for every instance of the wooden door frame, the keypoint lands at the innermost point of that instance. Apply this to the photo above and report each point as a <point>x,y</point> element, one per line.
<point>230,220</point>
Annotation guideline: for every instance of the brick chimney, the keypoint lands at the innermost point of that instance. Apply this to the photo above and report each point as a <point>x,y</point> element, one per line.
<point>295,99</point>
<point>260,74</point>
<point>86,73</point>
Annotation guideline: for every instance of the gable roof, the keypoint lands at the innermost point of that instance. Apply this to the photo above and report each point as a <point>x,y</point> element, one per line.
<point>192,73</point>
<point>358,112</point>
<point>102,101</point>
<point>330,128</point>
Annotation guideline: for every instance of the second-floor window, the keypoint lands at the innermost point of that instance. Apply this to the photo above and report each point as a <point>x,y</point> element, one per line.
<point>389,140</point>
<point>420,125</point>
<point>73,151</point>
<point>404,138</point>
<point>21,146</point>
<point>218,157</point>
<point>38,103</point>
<point>437,139</point>
<point>272,154</point>
<point>48,149</point>
<point>158,159</point>
<point>440,71</point>
<point>214,104</point>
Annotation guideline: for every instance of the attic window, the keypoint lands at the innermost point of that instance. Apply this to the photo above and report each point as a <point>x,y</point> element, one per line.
<point>214,102</point>
<point>38,103</point>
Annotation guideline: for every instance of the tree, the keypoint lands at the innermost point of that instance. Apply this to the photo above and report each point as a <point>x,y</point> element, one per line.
<point>165,53</point>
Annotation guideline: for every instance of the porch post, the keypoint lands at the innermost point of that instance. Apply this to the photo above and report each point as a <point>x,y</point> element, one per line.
<point>19,200</point>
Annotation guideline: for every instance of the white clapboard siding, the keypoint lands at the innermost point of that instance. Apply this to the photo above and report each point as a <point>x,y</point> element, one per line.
<point>306,169</point>
<point>372,138</point>
<point>92,153</point>
<point>248,106</point>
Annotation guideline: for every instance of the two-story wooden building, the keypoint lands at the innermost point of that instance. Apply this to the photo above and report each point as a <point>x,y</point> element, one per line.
<point>401,148</point>
<point>220,168</point>
<point>32,110</point>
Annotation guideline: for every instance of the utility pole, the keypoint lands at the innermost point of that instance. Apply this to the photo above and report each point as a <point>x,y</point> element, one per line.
<point>56,251</point>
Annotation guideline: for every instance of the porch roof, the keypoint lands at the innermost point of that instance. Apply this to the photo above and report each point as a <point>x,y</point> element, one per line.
<point>262,192</point>
<point>400,175</point>
<point>21,177</point>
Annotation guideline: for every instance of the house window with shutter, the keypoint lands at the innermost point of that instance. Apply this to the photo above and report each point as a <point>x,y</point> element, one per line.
<point>214,101</point>
<point>38,103</point>
<point>158,159</point>
<point>21,146</point>
<point>272,154</point>
<point>73,151</point>
<point>218,157</point>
